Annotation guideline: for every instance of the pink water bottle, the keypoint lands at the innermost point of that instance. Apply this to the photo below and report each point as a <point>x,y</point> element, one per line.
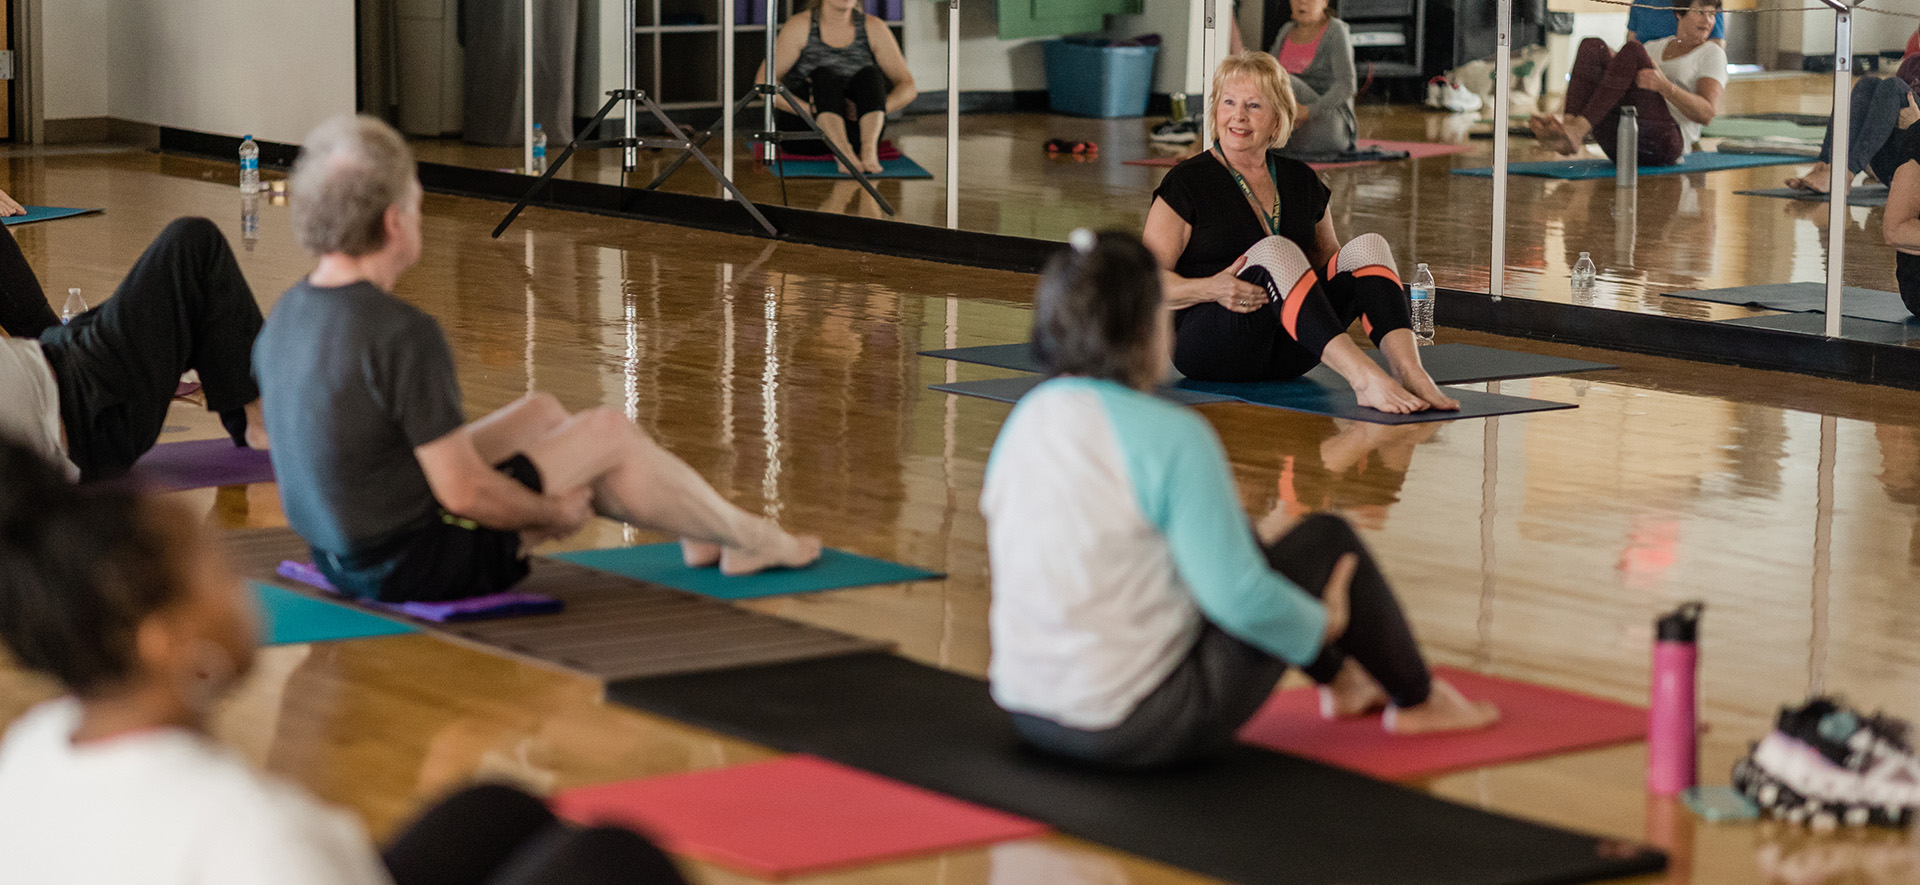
<point>1673,742</point>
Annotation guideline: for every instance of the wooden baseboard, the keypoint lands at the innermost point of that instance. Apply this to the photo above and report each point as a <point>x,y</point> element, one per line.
<point>95,130</point>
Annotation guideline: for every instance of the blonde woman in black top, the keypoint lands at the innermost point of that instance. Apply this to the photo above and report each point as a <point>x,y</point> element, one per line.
<point>1289,311</point>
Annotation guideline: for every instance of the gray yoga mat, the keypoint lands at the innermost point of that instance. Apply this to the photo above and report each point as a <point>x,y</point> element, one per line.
<point>611,628</point>
<point>1320,392</point>
<point>1865,304</point>
<point>1870,195</point>
<point>1868,331</point>
<point>1447,363</point>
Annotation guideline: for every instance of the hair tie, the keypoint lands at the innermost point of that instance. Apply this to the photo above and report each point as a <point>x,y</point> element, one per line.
<point>1081,240</point>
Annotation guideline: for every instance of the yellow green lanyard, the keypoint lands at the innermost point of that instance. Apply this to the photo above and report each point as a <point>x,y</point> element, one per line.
<point>1272,222</point>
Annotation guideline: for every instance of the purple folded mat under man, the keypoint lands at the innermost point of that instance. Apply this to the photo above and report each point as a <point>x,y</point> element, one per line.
<point>493,605</point>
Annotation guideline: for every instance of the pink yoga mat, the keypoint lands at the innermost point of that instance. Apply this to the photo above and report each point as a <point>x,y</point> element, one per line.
<point>1534,721</point>
<point>791,816</point>
<point>203,463</point>
<point>1416,150</point>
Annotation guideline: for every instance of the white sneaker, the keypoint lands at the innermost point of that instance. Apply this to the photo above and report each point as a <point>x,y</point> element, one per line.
<point>1825,765</point>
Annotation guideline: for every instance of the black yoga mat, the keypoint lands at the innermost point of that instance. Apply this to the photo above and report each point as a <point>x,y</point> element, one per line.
<point>1447,363</point>
<point>1250,815</point>
<point>1870,195</point>
<point>1319,392</point>
<point>1869,331</point>
<point>1866,304</point>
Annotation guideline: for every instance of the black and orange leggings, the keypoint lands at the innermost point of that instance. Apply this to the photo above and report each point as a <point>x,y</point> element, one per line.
<point>1307,307</point>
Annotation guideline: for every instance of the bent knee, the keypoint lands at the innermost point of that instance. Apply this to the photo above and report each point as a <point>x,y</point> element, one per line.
<point>1366,250</point>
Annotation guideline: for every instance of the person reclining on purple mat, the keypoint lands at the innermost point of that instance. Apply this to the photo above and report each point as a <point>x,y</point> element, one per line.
<point>130,604</point>
<point>1213,209</point>
<point>1674,83</point>
<point>94,393</point>
<point>1136,619</point>
<point>400,498</point>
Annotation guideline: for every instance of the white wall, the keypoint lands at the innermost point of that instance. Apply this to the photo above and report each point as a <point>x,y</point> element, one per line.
<point>272,68</point>
<point>987,63</point>
<point>76,58</point>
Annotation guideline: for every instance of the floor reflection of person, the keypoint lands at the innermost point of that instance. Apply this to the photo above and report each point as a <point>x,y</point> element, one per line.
<point>847,66</point>
<point>1136,619</point>
<point>1358,473</point>
<point>1674,84</point>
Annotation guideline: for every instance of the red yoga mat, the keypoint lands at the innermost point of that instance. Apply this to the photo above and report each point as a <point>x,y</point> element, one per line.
<point>1416,150</point>
<point>1534,721</point>
<point>791,816</point>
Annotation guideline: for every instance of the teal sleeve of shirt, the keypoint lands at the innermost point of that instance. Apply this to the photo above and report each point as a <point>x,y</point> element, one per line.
<point>1185,489</point>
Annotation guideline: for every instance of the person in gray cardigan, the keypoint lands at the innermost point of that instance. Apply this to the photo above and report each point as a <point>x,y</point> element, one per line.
<point>1317,53</point>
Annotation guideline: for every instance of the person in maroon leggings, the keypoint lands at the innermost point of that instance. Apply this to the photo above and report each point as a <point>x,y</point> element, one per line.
<point>1674,83</point>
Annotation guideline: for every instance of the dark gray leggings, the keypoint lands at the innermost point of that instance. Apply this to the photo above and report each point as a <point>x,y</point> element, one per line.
<point>1874,139</point>
<point>1200,705</point>
<point>497,835</point>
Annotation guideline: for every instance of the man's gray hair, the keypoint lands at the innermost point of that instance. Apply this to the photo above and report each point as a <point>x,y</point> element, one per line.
<point>351,168</point>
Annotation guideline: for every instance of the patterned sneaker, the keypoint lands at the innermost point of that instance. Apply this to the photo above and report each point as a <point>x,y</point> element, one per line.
<point>1176,132</point>
<point>1824,765</point>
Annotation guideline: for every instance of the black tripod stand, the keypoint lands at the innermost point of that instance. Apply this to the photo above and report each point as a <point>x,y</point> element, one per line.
<point>676,139</point>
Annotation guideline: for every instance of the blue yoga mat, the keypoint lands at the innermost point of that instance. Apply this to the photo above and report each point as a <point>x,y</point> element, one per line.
<point>46,213</point>
<point>661,564</point>
<point>1319,392</point>
<point>898,167</point>
<point>287,617</point>
<point>1580,170</point>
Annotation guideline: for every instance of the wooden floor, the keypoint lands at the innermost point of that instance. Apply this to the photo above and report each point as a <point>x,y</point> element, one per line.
<point>1537,546</point>
<point>1674,234</point>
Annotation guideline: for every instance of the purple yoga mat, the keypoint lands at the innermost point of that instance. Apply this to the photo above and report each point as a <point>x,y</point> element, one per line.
<point>494,605</point>
<point>202,463</point>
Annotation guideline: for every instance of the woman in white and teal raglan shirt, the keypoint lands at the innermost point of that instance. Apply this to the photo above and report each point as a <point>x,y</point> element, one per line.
<point>1136,619</point>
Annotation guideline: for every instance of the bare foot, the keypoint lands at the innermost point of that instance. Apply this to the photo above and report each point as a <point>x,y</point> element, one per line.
<point>842,167</point>
<point>870,163</point>
<point>699,554</point>
<point>1445,709</point>
<point>1548,132</point>
<point>1420,384</point>
<point>787,551</point>
<point>1378,391</point>
<point>1354,692</point>
<point>1575,130</point>
<point>1818,180</point>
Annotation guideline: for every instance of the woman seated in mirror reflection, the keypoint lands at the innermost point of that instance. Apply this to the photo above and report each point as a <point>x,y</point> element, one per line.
<point>1286,309</point>
<point>841,61</point>
<point>1674,84</point>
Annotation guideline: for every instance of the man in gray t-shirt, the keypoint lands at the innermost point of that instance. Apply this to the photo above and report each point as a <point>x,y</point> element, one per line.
<point>398,497</point>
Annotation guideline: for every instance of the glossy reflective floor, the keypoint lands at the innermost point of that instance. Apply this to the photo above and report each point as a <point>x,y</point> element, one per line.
<point>1674,233</point>
<point>1538,546</point>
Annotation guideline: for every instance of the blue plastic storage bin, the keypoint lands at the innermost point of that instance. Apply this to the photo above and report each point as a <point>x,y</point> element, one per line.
<point>1095,80</point>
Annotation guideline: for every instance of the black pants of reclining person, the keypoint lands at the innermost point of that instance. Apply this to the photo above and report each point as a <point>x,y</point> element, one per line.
<point>851,97</point>
<point>1223,681</point>
<point>184,305</point>
<point>1308,306</point>
<point>496,835</point>
<point>1875,141</point>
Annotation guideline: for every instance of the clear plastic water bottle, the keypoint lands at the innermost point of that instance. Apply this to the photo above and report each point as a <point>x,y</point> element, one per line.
<point>1626,151</point>
<point>74,307</point>
<point>250,220</point>
<point>1421,294</point>
<point>249,166</point>
<point>539,150</point>
<point>1583,275</point>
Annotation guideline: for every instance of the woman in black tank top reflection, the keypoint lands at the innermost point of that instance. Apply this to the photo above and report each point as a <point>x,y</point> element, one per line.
<point>840,61</point>
<point>1290,310</point>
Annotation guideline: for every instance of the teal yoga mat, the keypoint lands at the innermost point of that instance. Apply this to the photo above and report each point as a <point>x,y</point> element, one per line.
<point>46,213</point>
<point>287,617</point>
<point>1450,363</point>
<point>1870,195</point>
<point>661,564</point>
<point>1600,167</point>
<point>1319,392</point>
<point>898,167</point>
